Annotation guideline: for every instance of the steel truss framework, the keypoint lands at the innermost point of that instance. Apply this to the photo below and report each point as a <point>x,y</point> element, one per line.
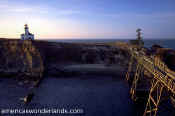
<point>154,98</point>
<point>129,69</point>
<point>162,80</point>
<point>138,75</point>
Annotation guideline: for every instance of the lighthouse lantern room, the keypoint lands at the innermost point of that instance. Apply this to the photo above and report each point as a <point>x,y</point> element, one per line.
<point>27,35</point>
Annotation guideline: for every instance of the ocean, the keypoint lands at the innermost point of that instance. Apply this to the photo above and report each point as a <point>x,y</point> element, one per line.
<point>167,43</point>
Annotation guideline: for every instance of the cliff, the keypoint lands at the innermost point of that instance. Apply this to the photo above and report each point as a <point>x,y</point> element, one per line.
<point>33,59</point>
<point>58,57</point>
<point>20,59</point>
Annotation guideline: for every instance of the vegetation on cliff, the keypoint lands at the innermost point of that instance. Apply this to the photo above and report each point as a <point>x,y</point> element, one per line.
<point>20,59</point>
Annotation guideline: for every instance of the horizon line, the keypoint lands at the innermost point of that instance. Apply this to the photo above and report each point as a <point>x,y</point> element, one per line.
<point>78,38</point>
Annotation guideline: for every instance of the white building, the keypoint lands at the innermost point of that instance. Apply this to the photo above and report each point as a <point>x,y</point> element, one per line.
<point>27,35</point>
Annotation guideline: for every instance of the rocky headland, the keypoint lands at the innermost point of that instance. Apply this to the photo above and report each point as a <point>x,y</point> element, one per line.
<point>20,59</point>
<point>32,60</point>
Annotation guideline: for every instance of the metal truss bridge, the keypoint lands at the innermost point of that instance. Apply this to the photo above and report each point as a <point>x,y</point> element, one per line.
<point>161,80</point>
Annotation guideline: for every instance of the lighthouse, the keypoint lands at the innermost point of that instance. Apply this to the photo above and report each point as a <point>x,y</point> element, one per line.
<point>27,35</point>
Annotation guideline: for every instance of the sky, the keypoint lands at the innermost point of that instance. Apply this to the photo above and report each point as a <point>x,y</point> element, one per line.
<point>54,19</point>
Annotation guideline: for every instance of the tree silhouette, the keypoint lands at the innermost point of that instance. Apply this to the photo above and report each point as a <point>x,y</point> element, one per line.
<point>139,34</point>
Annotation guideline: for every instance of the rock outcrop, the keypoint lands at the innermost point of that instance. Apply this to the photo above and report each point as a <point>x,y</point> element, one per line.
<point>33,59</point>
<point>20,59</point>
<point>58,55</point>
<point>166,55</point>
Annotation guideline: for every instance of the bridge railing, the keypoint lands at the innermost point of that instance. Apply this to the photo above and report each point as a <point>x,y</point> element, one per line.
<point>159,69</point>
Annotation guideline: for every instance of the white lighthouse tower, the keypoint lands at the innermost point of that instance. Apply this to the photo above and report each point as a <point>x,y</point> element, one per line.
<point>27,35</point>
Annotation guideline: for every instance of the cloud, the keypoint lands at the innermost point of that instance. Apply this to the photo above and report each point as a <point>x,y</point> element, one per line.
<point>23,9</point>
<point>3,6</point>
<point>35,10</point>
<point>164,15</point>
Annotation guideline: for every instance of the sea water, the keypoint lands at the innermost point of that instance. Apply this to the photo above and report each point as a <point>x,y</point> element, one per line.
<point>167,43</point>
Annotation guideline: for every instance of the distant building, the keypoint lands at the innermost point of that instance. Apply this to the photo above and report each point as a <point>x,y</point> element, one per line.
<point>27,35</point>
